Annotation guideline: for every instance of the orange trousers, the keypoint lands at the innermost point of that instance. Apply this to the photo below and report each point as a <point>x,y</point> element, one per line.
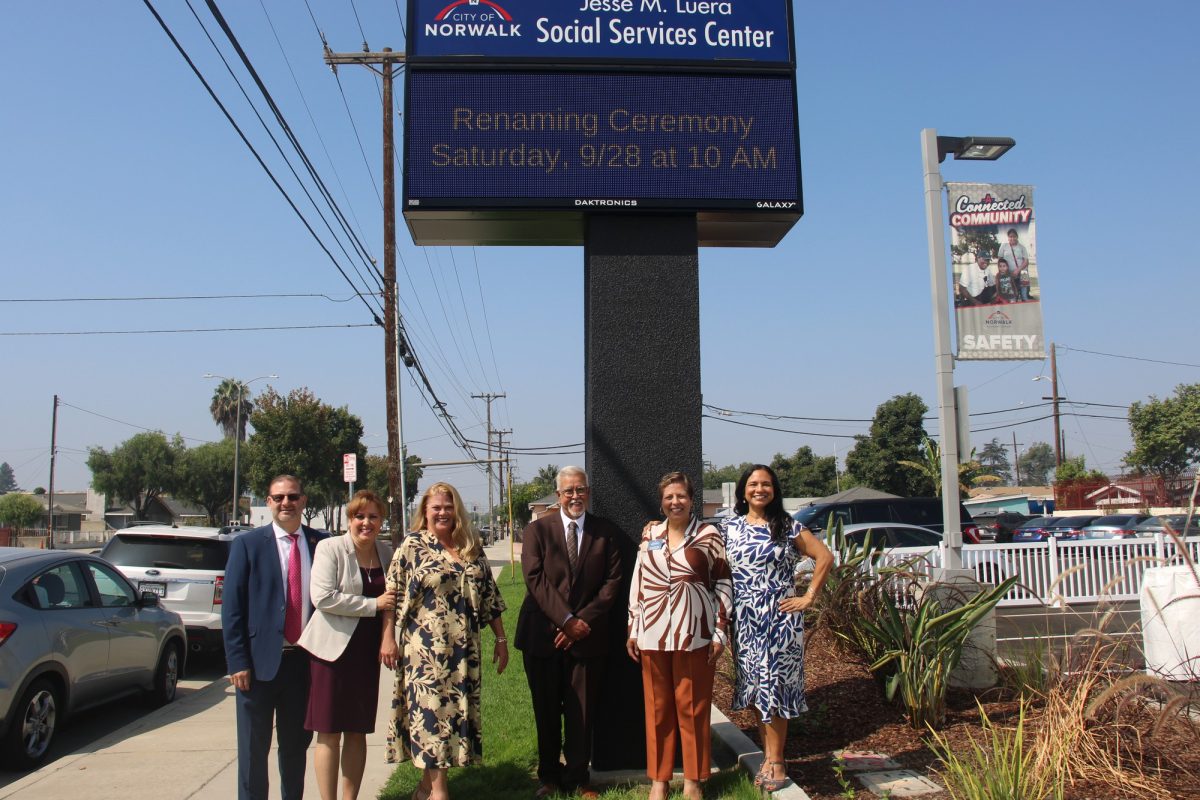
<point>678,690</point>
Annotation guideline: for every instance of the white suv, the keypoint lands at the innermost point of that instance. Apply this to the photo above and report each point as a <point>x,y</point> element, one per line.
<point>184,566</point>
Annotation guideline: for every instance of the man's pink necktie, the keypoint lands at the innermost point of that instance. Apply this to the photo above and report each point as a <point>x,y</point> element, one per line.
<point>293,617</point>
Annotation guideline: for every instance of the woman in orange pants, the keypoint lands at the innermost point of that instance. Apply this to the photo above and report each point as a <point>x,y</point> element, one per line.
<point>679,609</point>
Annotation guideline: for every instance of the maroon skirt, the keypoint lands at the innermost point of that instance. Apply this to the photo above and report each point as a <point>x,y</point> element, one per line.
<point>343,695</point>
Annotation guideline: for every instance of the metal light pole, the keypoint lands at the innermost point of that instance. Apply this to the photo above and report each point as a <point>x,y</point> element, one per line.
<point>234,514</point>
<point>934,149</point>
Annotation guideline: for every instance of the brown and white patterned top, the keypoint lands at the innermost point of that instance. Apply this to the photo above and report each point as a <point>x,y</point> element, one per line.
<point>680,599</point>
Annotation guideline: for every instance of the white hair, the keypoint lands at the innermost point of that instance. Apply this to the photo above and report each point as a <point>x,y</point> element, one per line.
<point>566,472</point>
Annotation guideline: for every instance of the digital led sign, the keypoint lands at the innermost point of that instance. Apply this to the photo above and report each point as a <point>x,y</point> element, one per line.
<point>755,32</point>
<point>554,140</point>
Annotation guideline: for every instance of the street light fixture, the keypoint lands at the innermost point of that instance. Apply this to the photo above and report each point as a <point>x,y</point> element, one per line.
<point>934,150</point>
<point>234,511</point>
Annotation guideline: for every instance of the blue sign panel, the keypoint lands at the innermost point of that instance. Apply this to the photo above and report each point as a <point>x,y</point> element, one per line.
<point>487,139</point>
<point>755,32</point>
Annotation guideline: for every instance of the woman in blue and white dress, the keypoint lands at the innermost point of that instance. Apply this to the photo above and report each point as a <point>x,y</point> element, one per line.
<point>763,546</point>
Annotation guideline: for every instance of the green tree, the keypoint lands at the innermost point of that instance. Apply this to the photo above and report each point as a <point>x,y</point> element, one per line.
<point>1075,469</point>
<point>8,483</point>
<point>975,240</point>
<point>715,476</point>
<point>20,510</point>
<point>138,470</point>
<point>299,435</point>
<point>224,408</point>
<point>206,477</point>
<point>1166,433</point>
<point>1036,463</point>
<point>377,478</point>
<point>993,460</point>
<point>805,474</point>
<point>896,434</point>
<point>525,493</point>
<point>930,468</point>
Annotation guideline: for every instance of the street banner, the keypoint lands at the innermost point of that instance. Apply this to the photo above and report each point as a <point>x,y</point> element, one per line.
<point>997,291</point>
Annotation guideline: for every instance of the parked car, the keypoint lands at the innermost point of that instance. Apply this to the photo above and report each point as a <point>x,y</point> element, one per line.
<point>1069,529</point>
<point>998,526</point>
<point>1158,524</point>
<point>185,567</point>
<point>74,633</point>
<point>1033,530</point>
<point>993,566</point>
<point>1115,526</point>
<point>923,511</point>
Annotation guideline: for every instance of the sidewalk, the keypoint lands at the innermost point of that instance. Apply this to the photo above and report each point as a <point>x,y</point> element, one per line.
<point>188,749</point>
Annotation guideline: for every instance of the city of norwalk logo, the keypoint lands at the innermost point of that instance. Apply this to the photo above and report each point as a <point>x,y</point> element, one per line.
<point>998,317</point>
<point>473,19</point>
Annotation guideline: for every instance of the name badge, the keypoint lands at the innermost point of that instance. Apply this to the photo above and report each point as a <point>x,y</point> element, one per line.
<point>656,544</point>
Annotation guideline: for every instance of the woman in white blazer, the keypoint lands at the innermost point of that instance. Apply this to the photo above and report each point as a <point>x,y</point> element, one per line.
<point>345,637</point>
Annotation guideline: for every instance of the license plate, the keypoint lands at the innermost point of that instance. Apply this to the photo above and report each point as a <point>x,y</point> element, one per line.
<point>159,589</point>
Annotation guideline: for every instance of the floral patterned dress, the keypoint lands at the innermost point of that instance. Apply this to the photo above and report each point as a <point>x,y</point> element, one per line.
<point>768,643</point>
<point>442,604</point>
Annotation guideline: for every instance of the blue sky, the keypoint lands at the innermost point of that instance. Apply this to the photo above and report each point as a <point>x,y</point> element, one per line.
<point>122,179</point>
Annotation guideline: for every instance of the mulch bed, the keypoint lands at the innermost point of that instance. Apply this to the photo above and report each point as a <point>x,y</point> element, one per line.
<point>847,711</point>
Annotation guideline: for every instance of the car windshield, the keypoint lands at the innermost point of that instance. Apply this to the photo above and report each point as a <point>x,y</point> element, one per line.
<point>1037,522</point>
<point>170,552</point>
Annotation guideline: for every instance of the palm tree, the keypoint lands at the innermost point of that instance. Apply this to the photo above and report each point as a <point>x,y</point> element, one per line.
<point>224,408</point>
<point>930,466</point>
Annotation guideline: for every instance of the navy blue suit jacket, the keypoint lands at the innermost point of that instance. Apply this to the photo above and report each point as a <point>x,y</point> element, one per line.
<point>253,602</point>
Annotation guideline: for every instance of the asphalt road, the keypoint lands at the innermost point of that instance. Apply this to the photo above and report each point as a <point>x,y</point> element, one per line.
<point>82,730</point>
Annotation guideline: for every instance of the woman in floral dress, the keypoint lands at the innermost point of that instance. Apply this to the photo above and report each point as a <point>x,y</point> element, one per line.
<point>763,545</point>
<point>445,594</point>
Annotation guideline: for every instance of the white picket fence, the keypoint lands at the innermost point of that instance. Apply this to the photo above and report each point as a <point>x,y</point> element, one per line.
<point>1062,573</point>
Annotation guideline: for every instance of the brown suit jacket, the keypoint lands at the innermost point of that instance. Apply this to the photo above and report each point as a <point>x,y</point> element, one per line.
<point>551,595</point>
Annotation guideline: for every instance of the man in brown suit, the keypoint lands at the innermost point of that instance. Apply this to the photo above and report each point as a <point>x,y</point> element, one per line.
<point>572,575</point>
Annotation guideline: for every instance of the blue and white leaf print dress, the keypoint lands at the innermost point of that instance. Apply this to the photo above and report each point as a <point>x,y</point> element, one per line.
<point>769,643</point>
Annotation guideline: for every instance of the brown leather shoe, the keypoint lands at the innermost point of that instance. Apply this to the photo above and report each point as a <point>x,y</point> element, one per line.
<point>545,790</point>
<point>587,793</point>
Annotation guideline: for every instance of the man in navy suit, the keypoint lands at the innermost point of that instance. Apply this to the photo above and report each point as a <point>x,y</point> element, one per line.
<point>264,609</point>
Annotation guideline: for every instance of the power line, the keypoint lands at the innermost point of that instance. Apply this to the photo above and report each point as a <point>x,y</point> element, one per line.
<point>287,129</point>
<point>176,297</point>
<point>189,330</point>
<point>130,424</point>
<point>781,430</point>
<point>241,134</point>
<point>1129,358</point>
<point>312,119</point>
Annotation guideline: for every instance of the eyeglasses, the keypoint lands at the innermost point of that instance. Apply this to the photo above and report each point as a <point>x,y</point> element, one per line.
<point>279,498</point>
<point>576,492</point>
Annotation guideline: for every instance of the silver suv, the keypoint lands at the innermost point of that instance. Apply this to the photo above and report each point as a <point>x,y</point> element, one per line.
<point>185,567</point>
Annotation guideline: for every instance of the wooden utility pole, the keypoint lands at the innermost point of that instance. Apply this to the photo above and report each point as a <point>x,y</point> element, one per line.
<point>1058,448</point>
<point>1016,459</point>
<point>488,397</point>
<point>50,496</point>
<point>389,63</point>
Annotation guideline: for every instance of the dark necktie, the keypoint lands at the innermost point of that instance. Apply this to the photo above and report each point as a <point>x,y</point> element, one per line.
<point>573,548</point>
<point>293,616</point>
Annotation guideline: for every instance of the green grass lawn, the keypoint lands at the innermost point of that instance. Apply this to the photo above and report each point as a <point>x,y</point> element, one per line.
<point>509,741</point>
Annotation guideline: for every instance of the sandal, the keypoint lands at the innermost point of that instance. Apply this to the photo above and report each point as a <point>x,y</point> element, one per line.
<point>770,785</point>
<point>762,773</point>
